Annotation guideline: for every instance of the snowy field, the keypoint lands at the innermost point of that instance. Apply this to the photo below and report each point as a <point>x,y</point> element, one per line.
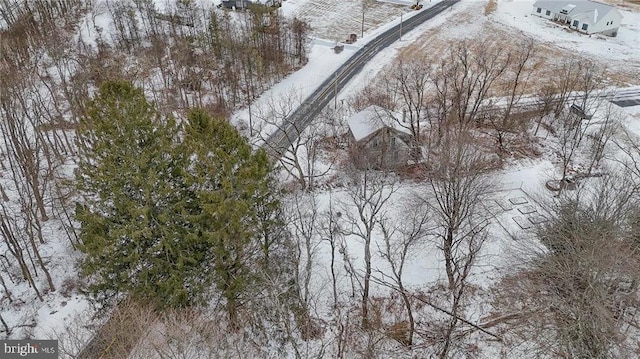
<point>335,20</point>
<point>511,24</point>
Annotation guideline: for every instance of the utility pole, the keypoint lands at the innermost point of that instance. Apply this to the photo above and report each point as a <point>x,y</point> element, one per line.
<point>335,93</point>
<point>362,32</point>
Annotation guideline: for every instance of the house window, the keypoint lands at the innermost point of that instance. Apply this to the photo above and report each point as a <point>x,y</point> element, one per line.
<point>584,27</point>
<point>575,23</point>
<point>548,13</point>
<point>539,10</point>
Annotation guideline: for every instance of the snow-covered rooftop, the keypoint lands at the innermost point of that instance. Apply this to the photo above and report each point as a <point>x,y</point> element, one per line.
<point>576,7</point>
<point>370,120</point>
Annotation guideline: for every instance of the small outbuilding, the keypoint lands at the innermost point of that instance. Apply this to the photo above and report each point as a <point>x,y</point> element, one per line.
<point>586,16</point>
<point>377,141</point>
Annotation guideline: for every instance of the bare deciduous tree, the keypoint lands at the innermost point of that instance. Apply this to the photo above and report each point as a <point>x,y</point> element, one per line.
<point>575,81</point>
<point>464,78</point>
<point>407,85</point>
<point>305,222</point>
<point>333,234</point>
<point>368,195</point>
<point>300,158</point>
<point>581,285</point>
<point>400,238</point>
<point>629,144</point>
<point>515,81</point>
<point>545,99</point>
<point>608,126</point>
<point>458,187</point>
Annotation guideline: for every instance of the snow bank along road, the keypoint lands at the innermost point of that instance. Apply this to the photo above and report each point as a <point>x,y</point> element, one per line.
<point>288,132</point>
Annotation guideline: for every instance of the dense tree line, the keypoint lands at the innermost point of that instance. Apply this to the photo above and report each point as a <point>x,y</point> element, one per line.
<point>191,56</point>
<point>55,54</point>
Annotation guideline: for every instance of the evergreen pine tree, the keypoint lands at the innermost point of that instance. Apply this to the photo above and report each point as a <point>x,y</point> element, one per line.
<point>225,181</point>
<point>171,213</point>
<point>127,174</point>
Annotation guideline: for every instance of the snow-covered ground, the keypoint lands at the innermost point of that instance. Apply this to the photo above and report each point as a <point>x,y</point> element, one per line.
<point>524,179</point>
<point>520,186</point>
<point>519,198</point>
<point>632,119</point>
<point>290,92</point>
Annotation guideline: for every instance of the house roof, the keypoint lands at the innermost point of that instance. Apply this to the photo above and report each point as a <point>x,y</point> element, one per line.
<point>370,120</point>
<point>584,9</point>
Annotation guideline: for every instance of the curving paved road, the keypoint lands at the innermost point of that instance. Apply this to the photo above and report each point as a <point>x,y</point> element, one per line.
<point>281,139</point>
<point>626,97</point>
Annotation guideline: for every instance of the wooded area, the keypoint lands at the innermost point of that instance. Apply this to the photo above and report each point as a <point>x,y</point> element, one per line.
<point>54,57</point>
<point>192,243</point>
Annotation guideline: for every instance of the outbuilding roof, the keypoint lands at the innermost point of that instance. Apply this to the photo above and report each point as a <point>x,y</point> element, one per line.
<point>370,120</point>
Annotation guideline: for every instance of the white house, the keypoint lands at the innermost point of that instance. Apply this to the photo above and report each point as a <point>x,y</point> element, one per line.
<point>589,17</point>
